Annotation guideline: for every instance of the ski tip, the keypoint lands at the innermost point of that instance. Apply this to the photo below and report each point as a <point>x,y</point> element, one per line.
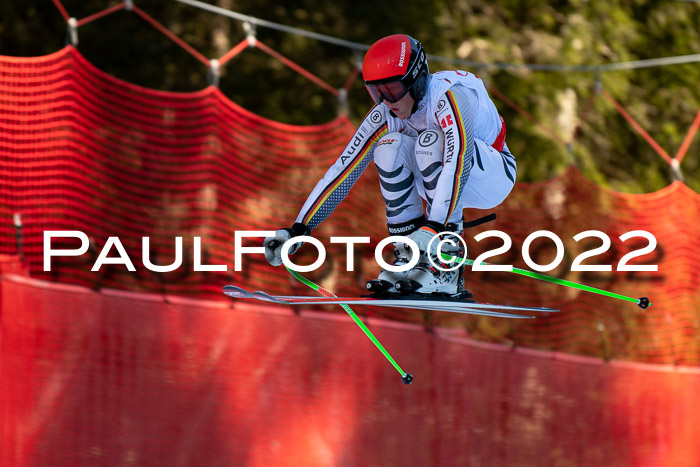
<point>643,303</point>
<point>235,291</point>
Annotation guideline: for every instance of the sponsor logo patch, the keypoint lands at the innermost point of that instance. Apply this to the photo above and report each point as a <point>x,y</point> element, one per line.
<point>356,143</point>
<point>397,230</point>
<point>427,138</point>
<point>450,140</point>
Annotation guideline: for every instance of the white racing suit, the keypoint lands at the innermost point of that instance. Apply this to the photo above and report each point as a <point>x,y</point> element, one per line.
<point>451,152</point>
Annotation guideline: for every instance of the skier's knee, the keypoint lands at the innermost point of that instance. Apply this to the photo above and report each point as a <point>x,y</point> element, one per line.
<point>386,149</point>
<point>429,147</point>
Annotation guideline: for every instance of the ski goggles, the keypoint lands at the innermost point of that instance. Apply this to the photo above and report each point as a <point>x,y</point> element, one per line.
<point>392,91</point>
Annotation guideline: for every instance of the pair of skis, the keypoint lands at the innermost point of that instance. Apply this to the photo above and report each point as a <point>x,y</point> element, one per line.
<point>427,303</point>
<point>465,306</point>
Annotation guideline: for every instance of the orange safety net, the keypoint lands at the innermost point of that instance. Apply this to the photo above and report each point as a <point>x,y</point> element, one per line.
<point>122,378</point>
<point>81,150</point>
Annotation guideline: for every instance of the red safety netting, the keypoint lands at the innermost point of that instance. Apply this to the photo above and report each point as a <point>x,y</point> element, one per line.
<point>252,41</point>
<point>81,150</point>
<point>124,378</point>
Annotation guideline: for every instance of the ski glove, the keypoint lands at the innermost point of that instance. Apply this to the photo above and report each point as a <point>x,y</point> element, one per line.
<point>273,245</point>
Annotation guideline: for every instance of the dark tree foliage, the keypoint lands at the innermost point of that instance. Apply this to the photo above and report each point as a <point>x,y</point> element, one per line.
<point>580,32</point>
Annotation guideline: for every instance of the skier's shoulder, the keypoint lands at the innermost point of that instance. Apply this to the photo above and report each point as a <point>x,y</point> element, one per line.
<point>449,78</point>
<point>440,83</point>
<point>443,81</point>
<point>376,115</point>
<point>376,118</point>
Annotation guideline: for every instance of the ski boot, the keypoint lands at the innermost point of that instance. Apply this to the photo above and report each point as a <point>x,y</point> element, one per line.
<point>426,278</point>
<point>387,279</point>
<point>462,292</point>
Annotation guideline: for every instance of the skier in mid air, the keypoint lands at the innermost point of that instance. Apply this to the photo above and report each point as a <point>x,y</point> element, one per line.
<point>434,137</point>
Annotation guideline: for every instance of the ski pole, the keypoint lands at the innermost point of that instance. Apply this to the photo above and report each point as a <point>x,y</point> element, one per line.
<point>406,378</point>
<point>642,302</point>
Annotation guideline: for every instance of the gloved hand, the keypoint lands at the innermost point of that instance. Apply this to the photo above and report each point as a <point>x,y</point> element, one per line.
<point>273,245</point>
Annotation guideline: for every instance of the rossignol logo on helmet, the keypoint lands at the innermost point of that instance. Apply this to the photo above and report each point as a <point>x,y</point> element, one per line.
<point>403,54</point>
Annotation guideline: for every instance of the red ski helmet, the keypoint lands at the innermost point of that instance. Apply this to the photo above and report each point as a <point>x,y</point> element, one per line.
<point>394,66</point>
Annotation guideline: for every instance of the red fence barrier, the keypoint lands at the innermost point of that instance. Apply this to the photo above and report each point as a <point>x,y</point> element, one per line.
<point>81,150</point>
<point>124,378</point>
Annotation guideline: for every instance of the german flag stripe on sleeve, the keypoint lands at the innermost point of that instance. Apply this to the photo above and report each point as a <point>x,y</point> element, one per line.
<point>338,181</point>
<point>459,163</point>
